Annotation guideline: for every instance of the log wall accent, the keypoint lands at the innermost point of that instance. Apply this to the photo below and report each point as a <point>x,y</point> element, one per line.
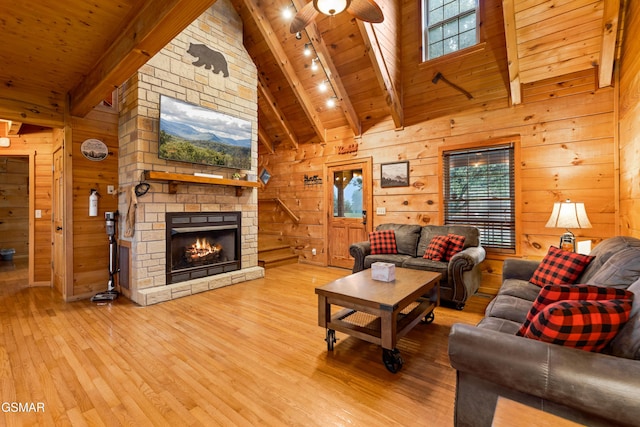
<point>36,142</point>
<point>566,129</point>
<point>630,125</point>
<point>90,242</point>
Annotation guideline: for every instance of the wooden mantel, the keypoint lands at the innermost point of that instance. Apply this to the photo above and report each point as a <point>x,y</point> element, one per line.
<point>174,178</point>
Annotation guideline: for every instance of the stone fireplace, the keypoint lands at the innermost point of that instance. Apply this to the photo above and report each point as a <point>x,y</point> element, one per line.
<point>173,213</point>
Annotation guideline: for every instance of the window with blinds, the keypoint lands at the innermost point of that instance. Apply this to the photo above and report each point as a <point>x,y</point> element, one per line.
<point>479,190</point>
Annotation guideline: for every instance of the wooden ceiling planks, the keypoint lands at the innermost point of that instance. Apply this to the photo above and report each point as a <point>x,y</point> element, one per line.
<point>549,45</point>
<point>65,41</point>
<point>47,47</point>
<point>152,28</point>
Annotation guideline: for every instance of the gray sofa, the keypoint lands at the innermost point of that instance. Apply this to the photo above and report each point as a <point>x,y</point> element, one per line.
<point>594,389</point>
<point>460,276</point>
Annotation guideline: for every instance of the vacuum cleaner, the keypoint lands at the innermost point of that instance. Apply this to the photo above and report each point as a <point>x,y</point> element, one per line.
<point>110,294</point>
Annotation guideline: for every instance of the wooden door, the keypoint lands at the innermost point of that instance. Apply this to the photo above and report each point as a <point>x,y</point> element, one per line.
<point>57,218</point>
<point>348,201</point>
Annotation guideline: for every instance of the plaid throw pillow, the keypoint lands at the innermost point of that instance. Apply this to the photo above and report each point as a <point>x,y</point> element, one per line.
<point>456,244</point>
<point>560,267</point>
<point>587,325</point>
<point>437,249</point>
<point>383,242</point>
<point>554,293</point>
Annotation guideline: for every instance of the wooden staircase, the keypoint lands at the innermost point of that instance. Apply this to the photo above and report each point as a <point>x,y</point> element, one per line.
<point>273,252</point>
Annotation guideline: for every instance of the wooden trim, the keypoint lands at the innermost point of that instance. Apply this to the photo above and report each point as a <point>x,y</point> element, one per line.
<point>31,154</point>
<point>513,60</point>
<point>32,219</point>
<point>616,152</point>
<point>264,91</point>
<point>265,140</point>
<point>67,196</point>
<point>382,72</point>
<point>453,57</point>
<point>610,21</point>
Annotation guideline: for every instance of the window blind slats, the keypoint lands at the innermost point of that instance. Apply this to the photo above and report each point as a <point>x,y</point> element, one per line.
<point>479,190</point>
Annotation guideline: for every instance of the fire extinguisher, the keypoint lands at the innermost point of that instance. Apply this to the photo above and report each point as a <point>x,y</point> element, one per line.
<point>93,202</point>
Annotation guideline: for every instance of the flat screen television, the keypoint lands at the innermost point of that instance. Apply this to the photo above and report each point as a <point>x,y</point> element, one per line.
<point>194,134</point>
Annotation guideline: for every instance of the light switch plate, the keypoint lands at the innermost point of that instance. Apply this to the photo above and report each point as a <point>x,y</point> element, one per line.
<point>38,213</point>
<point>381,210</point>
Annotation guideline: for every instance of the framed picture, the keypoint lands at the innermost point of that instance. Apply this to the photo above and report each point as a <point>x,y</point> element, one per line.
<point>394,174</point>
<point>264,176</point>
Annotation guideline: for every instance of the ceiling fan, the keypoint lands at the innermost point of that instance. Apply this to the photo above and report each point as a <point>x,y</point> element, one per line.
<point>365,10</point>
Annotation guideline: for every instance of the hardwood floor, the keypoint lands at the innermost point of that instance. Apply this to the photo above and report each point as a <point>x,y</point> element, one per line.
<point>247,354</point>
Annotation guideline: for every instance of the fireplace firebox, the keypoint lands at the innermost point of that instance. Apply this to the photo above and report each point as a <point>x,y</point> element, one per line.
<point>202,244</point>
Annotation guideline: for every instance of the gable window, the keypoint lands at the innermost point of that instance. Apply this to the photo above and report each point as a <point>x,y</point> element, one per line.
<point>479,190</point>
<point>448,26</point>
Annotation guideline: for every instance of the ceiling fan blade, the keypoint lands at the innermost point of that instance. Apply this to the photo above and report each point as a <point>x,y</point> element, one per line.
<point>303,18</point>
<point>366,10</point>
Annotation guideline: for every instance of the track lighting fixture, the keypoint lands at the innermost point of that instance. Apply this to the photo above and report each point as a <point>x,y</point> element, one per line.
<point>287,13</point>
<point>309,50</point>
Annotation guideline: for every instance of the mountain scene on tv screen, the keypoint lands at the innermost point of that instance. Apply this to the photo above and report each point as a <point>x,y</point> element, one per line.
<point>193,134</point>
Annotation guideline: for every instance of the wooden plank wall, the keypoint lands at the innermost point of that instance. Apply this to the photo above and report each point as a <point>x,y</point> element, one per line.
<point>90,241</point>
<point>630,124</point>
<point>37,142</point>
<point>14,204</point>
<point>566,129</point>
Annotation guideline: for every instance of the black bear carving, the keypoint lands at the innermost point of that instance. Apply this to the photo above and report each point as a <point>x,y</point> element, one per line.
<point>209,58</point>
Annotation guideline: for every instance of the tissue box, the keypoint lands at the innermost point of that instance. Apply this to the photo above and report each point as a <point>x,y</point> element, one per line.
<point>384,271</point>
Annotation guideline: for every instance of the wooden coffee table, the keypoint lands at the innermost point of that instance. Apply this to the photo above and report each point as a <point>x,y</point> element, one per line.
<point>376,311</point>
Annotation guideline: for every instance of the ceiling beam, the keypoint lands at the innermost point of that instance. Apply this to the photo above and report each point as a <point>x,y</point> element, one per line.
<point>156,24</point>
<point>285,66</point>
<point>511,37</point>
<point>25,112</point>
<point>265,140</point>
<point>332,73</point>
<point>14,127</point>
<point>372,46</point>
<point>265,93</point>
<point>610,20</point>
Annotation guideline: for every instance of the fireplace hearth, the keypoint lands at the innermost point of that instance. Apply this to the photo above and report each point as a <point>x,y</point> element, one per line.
<point>202,244</point>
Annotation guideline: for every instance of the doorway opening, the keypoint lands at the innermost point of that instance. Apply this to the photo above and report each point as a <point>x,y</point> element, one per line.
<point>14,215</point>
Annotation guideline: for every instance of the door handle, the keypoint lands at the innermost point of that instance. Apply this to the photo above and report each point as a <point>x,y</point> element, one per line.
<point>364,217</point>
<point>58,228</point>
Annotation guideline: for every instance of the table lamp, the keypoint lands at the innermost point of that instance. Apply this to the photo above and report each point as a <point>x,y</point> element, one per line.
<point>568,215</point>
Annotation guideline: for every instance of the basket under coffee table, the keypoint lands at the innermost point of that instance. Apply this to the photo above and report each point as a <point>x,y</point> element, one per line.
<point>376,311</point>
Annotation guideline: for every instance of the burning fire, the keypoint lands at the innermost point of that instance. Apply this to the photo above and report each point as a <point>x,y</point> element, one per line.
<point>202,248</point>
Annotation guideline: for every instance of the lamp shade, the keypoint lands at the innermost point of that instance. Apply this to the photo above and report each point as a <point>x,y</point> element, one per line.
<point>568,215</point>
<point>331,7</point>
